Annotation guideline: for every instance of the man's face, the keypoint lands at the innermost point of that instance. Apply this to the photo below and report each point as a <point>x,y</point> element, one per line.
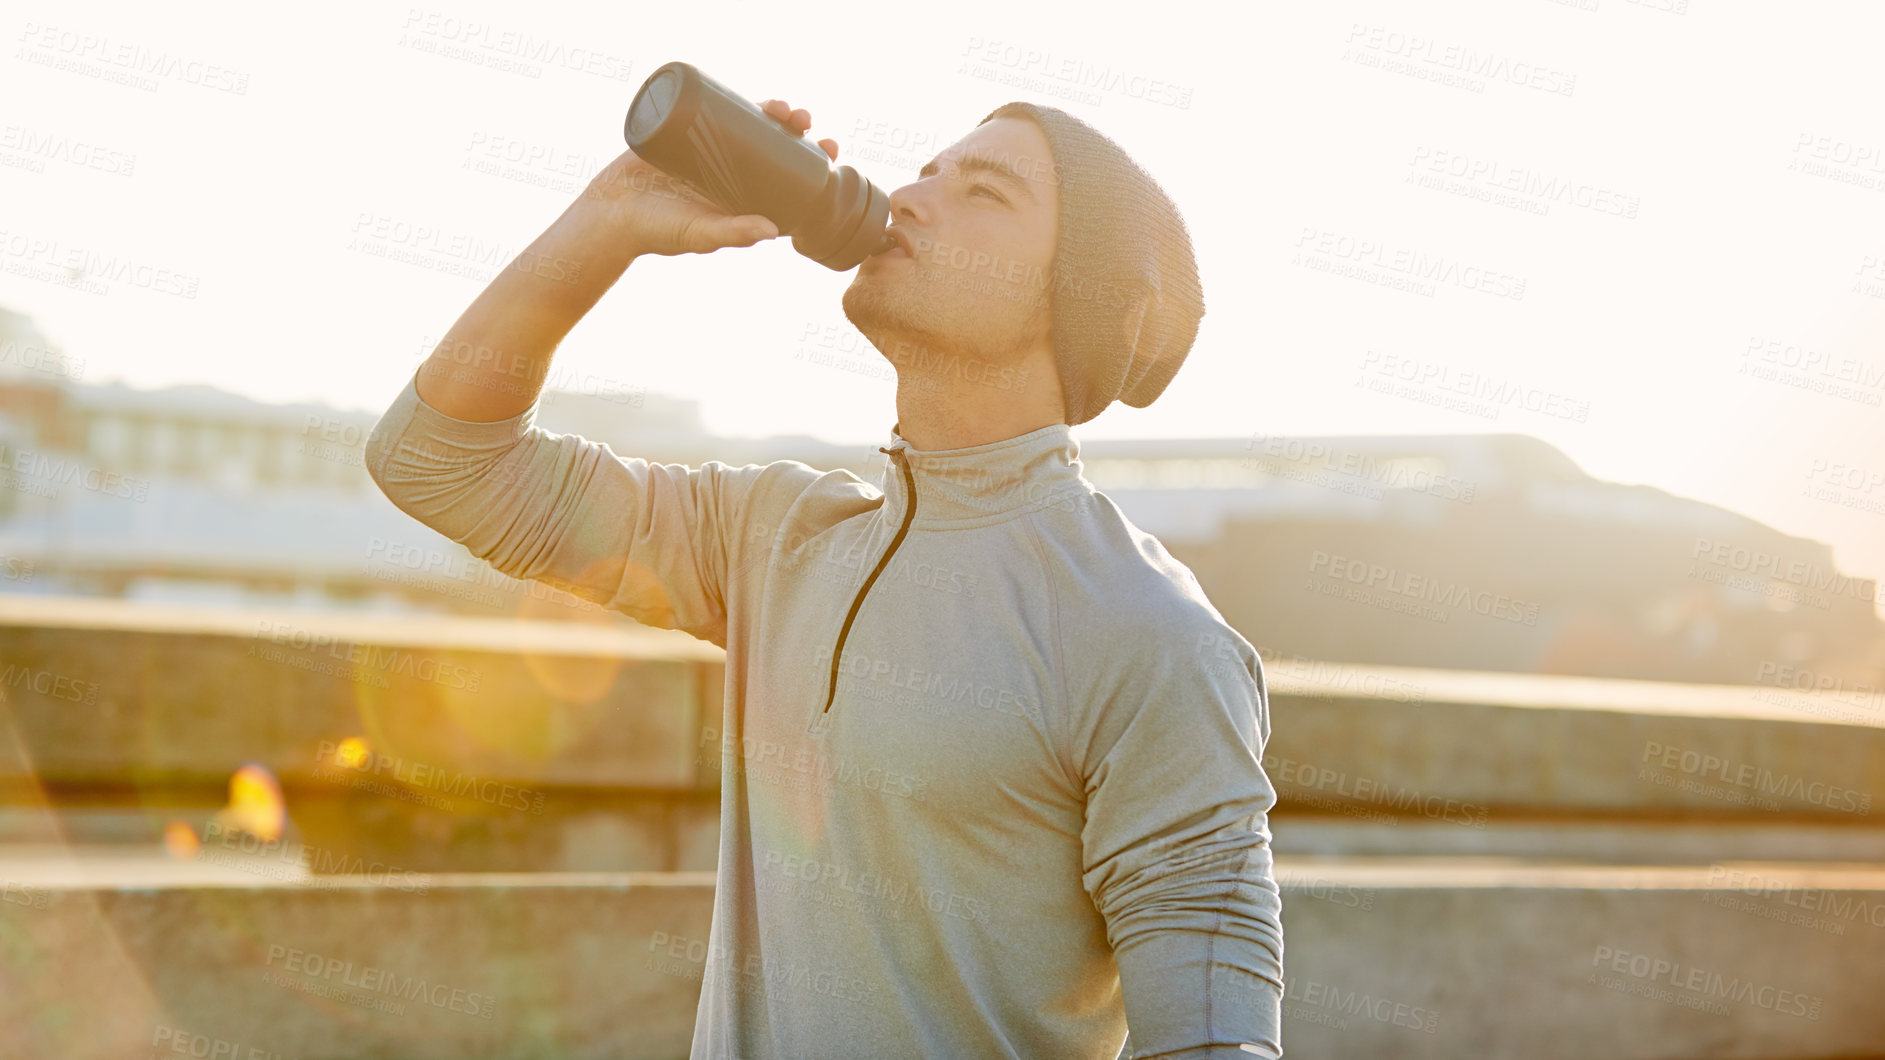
<point>981,223</point>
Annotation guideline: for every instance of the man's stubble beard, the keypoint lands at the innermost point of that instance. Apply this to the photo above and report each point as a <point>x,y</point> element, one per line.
<point>922,315</point>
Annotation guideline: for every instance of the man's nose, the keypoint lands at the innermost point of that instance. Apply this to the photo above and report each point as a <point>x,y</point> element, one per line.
<point>911,202</point>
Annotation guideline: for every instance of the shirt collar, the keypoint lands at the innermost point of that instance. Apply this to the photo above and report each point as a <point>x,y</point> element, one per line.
<point>987,483</point>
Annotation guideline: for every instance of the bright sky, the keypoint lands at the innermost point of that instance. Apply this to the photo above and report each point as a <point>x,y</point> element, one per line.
<point>1692,193</point>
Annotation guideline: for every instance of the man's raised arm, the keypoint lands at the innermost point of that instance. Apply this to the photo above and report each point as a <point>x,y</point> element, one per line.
<point>629,209</point>
<point>459,450</point>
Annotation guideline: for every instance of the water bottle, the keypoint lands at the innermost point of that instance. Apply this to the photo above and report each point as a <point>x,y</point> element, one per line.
<point>692,127</point>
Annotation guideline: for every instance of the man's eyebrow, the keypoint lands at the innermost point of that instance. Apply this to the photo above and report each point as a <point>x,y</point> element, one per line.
<point>977,164</point>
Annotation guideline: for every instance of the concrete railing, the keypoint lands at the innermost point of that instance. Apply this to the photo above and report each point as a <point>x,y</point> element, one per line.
<point>1434,961</point>
<point>491,745</point>
<point>1473,864</point>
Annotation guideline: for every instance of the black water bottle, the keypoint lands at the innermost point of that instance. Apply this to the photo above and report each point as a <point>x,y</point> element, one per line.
<point>693,127</point>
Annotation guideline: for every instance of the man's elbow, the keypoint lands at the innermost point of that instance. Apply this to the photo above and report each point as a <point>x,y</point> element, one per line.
<point>378,458</point>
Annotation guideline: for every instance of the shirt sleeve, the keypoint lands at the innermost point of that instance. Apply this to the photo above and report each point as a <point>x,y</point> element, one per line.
<point>1177,847</point>
<point>656,542</point>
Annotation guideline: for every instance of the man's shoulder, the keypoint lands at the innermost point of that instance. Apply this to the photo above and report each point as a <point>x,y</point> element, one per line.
<point>1124,585</point>
<point>781,484</point>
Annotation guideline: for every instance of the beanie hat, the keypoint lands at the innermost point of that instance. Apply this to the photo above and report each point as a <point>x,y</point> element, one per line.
<point>1122,250</point>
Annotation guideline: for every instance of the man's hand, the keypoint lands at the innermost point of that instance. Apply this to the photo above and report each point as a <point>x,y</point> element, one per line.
<point>653,213</point>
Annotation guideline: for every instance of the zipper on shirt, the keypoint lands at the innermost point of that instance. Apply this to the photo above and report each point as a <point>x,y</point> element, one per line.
<point>909,513</point>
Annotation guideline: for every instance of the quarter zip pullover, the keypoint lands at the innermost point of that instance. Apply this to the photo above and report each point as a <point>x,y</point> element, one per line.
<point>989,759</point>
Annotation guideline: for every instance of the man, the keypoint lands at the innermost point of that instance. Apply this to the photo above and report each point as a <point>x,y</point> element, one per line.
<point>989,757</point>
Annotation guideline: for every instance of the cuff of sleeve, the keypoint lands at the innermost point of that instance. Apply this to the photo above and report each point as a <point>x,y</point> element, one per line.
<point>1258,1051</point>
<point>1202,1006</point>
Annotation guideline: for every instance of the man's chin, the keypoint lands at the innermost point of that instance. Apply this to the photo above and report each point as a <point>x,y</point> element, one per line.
<point>869,308</point>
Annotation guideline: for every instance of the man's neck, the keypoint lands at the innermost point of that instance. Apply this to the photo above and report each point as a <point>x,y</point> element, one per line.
<point>959,400</point>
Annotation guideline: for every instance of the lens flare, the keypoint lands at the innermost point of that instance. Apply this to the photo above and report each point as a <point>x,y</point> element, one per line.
<point>353,752</point>
<point>255,803</point>
<point>180,840</point>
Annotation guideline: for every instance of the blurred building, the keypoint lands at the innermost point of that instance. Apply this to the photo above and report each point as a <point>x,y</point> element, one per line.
<point>1486,551</point>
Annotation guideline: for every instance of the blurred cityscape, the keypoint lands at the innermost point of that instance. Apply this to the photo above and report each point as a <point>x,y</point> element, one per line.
<point>1474,551</point>
<point>250,720</point>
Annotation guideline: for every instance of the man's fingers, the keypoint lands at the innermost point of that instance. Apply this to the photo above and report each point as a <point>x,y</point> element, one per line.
<point>708,234</point>
<point>781,111</point>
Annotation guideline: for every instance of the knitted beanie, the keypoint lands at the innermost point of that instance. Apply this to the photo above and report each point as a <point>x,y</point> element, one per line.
<point>1121,246</point>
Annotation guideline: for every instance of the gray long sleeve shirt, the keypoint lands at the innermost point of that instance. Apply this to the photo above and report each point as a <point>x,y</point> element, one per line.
<point>1029,812</point>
